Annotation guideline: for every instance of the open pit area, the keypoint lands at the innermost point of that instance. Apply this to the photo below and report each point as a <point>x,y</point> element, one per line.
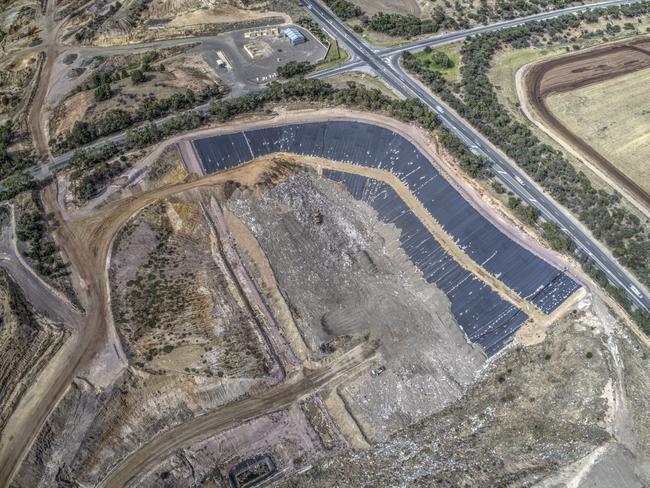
<point>595,102</point>
<point>347,280</point>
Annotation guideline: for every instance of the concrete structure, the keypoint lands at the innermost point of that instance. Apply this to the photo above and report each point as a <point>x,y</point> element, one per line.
<point>294,35</point>
<point>267,32</point>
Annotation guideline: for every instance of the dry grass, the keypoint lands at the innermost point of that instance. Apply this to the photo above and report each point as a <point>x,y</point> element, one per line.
<point>218,14</point>
<point>614,118</point>
<point>369,81</point>
<point>505,66</point>
<point>404,7</point>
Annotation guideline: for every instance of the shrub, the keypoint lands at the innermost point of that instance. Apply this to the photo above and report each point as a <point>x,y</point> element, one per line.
<point>137,76</point>
<point>103,92</point>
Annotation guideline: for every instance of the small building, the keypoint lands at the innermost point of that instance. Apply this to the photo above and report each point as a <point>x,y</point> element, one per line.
<point>295,36</point>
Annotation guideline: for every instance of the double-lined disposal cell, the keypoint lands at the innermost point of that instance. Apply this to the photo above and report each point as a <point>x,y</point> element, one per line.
<point>484,316</point>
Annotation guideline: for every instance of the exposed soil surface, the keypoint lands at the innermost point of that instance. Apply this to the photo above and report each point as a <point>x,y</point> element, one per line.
<point>573,71</point>
<point>346,280</point>
<point>535,409</point>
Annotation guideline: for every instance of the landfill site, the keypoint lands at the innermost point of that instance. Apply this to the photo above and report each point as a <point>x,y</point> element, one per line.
<point>324,244</point>
<point>318,299</point>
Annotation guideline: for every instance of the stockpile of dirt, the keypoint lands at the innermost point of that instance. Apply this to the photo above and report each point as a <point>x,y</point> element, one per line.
<point>347,280</point>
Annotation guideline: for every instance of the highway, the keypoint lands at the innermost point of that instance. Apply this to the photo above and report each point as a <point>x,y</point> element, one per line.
<point>385,63</point>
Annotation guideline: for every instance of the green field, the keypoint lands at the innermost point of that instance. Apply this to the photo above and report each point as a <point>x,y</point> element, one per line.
<point>452,51</point>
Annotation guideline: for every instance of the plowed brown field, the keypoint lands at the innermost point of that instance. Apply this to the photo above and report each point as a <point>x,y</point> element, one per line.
<point>573,71</point>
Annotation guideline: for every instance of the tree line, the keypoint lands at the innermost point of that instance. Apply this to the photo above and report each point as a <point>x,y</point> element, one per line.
<point>118,120</point>
<point>92,169</point>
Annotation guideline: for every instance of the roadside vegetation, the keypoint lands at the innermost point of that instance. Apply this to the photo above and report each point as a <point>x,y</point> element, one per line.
<point>295,68</point>
<point>600,211</point>
<point>117,120</point>
<point>13,165</point>
<point>36,243</point>
<point>344,9</point>
<point>398,25</point>
<point>441,16</point>
<point>92,171</point>
<point>334,54</point>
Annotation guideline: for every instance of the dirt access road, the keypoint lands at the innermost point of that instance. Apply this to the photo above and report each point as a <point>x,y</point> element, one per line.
<point>205,426</point>
<point>44,298</point>
<point>87,244</point>
<point>567,73</point>
<point>35,117</point>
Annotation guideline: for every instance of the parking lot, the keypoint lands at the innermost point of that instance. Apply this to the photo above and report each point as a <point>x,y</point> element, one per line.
<point>244,72</point>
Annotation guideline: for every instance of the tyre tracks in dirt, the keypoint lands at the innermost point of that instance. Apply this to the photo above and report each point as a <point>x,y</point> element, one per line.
<point>200,428</point>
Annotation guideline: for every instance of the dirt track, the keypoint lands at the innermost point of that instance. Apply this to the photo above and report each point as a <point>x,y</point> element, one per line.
<point>234,414</point>
<point>573,71</point>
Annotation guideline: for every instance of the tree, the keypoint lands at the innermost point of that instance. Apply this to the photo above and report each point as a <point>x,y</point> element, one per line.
<point>498,187</point>
<point>103,92</point>
<point>295,68</point>
<point>137,76</point>
<point>557,239</point>
<point>15,184</point>
<point>442,60</point>
<point>344,9</point>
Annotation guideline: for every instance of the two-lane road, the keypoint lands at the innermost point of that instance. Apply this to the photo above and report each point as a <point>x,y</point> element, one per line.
<point>385,63</point>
